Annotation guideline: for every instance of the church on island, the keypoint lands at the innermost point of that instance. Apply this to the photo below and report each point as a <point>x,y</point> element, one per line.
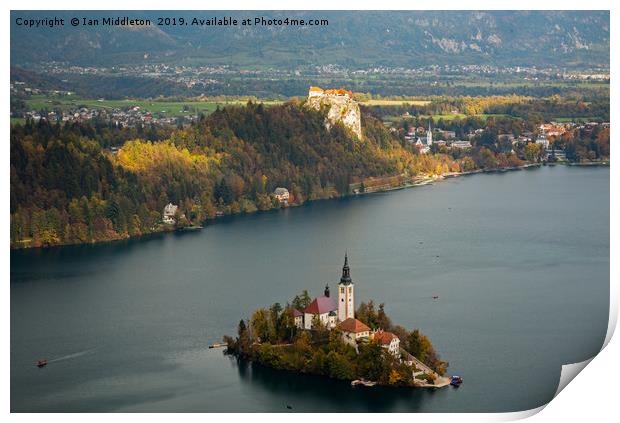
<point>339,312</point>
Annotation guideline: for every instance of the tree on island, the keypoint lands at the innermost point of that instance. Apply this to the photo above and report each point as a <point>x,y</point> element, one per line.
<point>300,302</point>
<point>415,343</point>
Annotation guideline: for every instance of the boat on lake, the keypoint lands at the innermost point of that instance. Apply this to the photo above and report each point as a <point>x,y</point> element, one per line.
<point>41,363</point>
<point>456,380</point>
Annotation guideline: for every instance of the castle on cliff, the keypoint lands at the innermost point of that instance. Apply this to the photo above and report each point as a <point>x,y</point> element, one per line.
<point>341,108</point>
<point>318,92</point>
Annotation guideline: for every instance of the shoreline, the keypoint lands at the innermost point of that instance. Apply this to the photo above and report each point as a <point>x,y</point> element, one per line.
<point>442,381</point>
<point>417,182</point>
<point>429,180</point>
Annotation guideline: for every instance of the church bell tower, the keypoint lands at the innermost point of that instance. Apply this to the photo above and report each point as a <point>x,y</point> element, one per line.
<point>346,292</point>
<point>429,135</point>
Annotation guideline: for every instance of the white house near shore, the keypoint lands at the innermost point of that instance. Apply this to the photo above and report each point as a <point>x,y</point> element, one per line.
<point>542,140</point>
<point>282,195</point>
<point>389,341</point>
<point>169,214</point>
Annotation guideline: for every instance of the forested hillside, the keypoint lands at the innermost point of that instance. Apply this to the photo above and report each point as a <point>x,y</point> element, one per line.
<point>68,187</point>
<point>82,183</point>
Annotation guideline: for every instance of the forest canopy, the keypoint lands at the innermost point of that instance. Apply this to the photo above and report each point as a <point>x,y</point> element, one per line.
<point>88,182</point>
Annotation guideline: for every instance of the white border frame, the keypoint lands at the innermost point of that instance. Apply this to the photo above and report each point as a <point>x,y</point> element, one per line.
<point>592,396</point>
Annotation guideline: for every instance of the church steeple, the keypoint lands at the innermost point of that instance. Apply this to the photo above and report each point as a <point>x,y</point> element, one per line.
<point>346,293</point>
<point>346,272</point>
<point>429,135</point>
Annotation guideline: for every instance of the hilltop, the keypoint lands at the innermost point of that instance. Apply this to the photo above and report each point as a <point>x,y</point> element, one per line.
<point>341,108</point>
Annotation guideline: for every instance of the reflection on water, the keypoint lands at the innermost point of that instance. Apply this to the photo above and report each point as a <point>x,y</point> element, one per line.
<point>332,394</point>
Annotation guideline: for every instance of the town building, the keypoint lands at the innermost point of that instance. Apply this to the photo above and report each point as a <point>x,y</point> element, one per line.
<point>450,135</point>
<point>462,145</point>
<point>542,140</point>
<point>389,341</point>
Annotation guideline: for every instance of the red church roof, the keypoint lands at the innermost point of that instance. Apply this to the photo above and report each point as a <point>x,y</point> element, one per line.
<point>321,305</point>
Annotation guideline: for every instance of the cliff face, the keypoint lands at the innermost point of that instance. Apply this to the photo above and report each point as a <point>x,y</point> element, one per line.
<point>342,108</point>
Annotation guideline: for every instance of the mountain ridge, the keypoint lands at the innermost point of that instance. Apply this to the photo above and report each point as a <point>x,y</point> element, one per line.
<point>352,39</point>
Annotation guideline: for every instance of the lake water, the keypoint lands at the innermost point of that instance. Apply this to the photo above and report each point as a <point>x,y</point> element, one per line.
<point>520,262</point>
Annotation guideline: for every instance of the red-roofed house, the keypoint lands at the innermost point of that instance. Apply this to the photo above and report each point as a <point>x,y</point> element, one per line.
<point>324,308</point>
<point>388,341</point>
<point>353,330</point>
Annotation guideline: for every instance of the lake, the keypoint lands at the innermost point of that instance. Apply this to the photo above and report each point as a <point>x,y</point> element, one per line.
<point>519,260</point>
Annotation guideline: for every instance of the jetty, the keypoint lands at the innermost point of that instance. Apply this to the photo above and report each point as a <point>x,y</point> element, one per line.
<point>218,345</point>
<point>423,369</point>
<point>363,382</point>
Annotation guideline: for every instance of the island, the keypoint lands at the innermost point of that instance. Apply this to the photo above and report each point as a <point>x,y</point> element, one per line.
<point>327,336</point>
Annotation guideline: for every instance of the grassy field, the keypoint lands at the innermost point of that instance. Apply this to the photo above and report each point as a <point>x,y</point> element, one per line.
<point>395,102</point>
<point>525,83</point>
<point>158,108</point>
<point>170,108</point>
<point>450,116</point>
<point>577,119</point>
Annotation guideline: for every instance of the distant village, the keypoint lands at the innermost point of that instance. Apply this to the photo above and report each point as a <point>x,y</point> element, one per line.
<point>424,138</point>
<point>191,76</point>
<point>129,117</point>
